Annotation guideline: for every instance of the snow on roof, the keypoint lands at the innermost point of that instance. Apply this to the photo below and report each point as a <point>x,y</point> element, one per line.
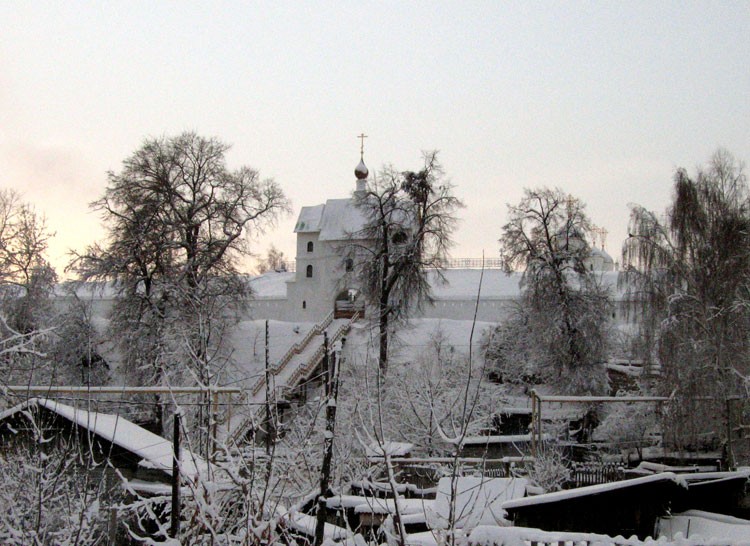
<point>341,217</point>
<point>498,439</point>
<point>270,285</point>
<point>334,221</point>
<point>308,220</point>
<point>691,473</point>
<point>392,449</point>
<point>632,371</point>
<point>155,451</point>
<point>477,501</point>
<point>375,505</point>
<point>715,476</point>
<point>593,490</point>
<point>704,525</point>
<point>306,524</point>
<point>425,538</point>
<point>509,410</point>
<point>380,486</point>
<point>486,535</point>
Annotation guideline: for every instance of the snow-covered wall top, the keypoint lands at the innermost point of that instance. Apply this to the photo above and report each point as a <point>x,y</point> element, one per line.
<point>462,284</point>
<point>270,285</point>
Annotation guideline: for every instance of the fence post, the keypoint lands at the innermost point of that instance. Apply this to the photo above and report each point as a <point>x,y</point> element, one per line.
<point>533,422</point>
<point>730,454</point>
<point>112,535</point>
<point>174,529</point>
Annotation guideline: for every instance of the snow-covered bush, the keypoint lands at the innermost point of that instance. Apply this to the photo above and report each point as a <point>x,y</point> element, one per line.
<point>53,496</point>
<point>630,427</point>
<point>548,469</point>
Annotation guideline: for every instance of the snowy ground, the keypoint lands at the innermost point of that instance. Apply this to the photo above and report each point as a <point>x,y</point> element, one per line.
<point>415,337</point>
<point>248,343</point>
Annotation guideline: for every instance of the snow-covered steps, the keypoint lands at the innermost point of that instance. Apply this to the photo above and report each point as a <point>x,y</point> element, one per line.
<point>296,366</point>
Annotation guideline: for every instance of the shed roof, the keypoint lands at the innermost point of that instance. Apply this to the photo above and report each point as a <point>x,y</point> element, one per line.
<point>154,451</point>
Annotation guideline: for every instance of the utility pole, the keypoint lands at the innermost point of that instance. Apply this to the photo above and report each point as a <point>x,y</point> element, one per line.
<point>332,392</point>
<point>268,398</point>
<point>174,529</point>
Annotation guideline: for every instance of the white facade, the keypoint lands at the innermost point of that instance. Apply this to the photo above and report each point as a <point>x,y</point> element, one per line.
<point>321,279</point>
<point>321,273</point>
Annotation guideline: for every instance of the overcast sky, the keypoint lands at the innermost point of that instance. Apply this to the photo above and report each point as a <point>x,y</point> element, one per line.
<point>604,99</point>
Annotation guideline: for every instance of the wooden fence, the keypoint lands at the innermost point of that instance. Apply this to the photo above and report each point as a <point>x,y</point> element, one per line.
<point>583,474</point>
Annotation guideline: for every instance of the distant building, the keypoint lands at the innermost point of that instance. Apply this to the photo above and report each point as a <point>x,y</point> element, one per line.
<point>321,283</point>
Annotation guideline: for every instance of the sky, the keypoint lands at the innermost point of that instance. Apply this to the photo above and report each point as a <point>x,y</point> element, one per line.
<point>602,99</point>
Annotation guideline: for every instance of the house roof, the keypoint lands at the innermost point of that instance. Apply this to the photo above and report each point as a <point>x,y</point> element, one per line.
<point>392,449</point>
<point>477,501</point>
<point>590,490</point>
<point>154,451</point>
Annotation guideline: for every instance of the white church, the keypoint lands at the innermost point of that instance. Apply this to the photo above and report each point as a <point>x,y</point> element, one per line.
<point>320,284</point>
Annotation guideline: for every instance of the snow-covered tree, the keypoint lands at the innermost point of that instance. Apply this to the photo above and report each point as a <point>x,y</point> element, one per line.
<point>426,397</point>
<point>75,346</point>
<point>561,324</point>
<point>687,271</point>
<point>52,491</point>
<point>629,426</point>
<point>274,261</point>
<point>178,220</point>
<point>26,283</point>
<point>410,218</point>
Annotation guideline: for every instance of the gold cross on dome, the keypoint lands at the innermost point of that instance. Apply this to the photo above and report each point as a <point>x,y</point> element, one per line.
<point>362,138</point>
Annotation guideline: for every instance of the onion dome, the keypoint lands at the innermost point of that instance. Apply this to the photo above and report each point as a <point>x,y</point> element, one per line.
<point>361,171</point>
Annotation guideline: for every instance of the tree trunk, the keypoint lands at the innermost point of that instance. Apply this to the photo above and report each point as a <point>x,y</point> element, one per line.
<point>383,338</point>
<point>325,471</point>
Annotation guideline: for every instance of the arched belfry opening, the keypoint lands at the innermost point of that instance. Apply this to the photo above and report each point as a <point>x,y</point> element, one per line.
<point>348,303</point>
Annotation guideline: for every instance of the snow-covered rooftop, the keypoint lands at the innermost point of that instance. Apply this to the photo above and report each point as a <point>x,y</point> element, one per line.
<point>308,220</point>
<point>306,524</point>
<point>334,221</point>
<point>155,451</point>
<point>270,285</point>
<point>593,490</point>
<point>393,449</point>
<point>478,501</point>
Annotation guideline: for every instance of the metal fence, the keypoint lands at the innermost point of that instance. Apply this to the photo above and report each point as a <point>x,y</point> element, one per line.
<point>454,263</point>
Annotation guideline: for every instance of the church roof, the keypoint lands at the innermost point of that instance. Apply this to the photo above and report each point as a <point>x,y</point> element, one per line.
<point>309,219</point>
<point>334,221</point>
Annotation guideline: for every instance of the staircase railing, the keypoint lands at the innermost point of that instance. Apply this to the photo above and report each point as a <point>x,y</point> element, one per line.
<point>308,366</point>
<point>295,350</point>
<point>317,356</point>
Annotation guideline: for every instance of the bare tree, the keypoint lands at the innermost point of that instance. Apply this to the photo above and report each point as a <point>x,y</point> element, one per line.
<point>178,220</point>
<point>410,220</point>
<point>26,283</point>
<point>26,276</point>
<point>688,273</point>
<point>274,261</point>
<point>564,309</point>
